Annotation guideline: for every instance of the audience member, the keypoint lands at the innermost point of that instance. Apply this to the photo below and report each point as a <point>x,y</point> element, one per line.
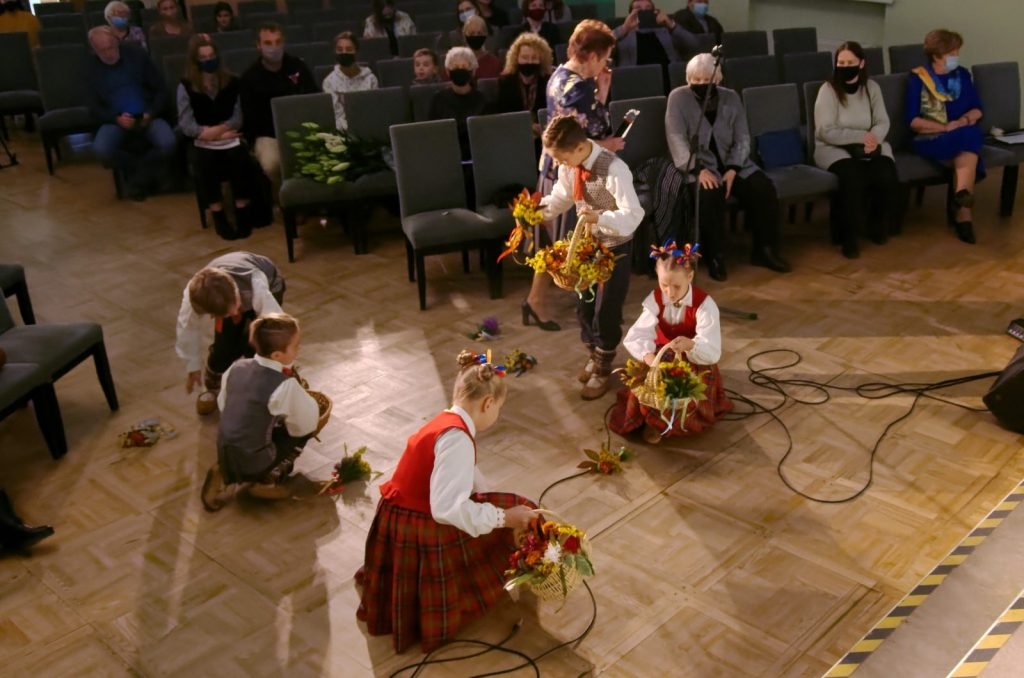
<point>347,75</point>
<point>724,164</point>
<point>170,22</point>
<point>522,86</point>
<point>535,21</point>
<point>850,124</point>
<point>425,67</point>
<point>474,32</point>
<point>495,16</point>
<point>460,99</point>
<point>650,36</point>
<point>387,22</point>
<point>274,74</point>
<point>128,97</point>
<point>943,109</point>
<point>210,113</point>
<point>118,16</point>
<point>15,19</point>
<point>224,18</point>
<point>695,18</point>
<point>555,11</point>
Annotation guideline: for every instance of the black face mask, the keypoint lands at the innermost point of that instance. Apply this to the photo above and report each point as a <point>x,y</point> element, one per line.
<point>460,76</point>
<point>475,42</point>
<point>702,91</point>
<point>345,59</point>
<point>528,70</point>
<point>845,73</point>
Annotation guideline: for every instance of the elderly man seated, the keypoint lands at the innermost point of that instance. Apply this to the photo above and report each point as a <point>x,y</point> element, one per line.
<point>128,97</point>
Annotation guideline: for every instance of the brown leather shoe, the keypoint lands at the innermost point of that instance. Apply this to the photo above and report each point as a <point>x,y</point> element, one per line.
<point>595,387</point>
<point>213,489</point>
<point>269,491</point>
<point>206,403</point>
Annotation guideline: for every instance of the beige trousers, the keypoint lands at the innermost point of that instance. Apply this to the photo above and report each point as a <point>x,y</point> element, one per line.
<point>269,157</point>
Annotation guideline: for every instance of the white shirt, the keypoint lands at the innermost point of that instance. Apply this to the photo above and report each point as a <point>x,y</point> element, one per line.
<point>455,477</point>
<point>289,400</point>
<point>707,342</point>
<point>403,26</point>
<point>619,222</point>
<point>188,345</point>
<point>337,83</point>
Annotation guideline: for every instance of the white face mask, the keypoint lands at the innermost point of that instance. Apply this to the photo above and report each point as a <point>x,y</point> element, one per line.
<point>952,62</point>
<point>464,16</point>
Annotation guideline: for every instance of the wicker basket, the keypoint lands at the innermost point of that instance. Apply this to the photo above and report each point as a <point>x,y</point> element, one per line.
<point>550,588</point>
<point>567,279</point>
<point>325,405</point>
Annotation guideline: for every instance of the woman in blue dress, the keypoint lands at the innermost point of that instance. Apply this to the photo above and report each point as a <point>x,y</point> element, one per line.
<point>943,109</point>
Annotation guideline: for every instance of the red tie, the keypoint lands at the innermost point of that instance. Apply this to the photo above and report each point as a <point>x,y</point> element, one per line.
<point>219,322</point>
<point>287,371</point>
<point>582,175</point>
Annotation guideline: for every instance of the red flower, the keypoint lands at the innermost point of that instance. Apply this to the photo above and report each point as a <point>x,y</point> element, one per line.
<point>605,468</point>
<point>572,545</point>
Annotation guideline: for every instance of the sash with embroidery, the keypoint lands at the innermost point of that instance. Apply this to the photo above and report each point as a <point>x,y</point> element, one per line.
<point>934,96</point>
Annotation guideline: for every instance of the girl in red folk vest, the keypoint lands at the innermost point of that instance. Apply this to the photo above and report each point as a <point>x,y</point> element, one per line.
<point>437,549</point>
<point>686,318</point>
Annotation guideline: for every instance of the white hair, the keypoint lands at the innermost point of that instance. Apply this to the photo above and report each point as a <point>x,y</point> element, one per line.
<point>701,67</point>
<point>97,31</point>
<point>460,53</point>
<point>114,6</point>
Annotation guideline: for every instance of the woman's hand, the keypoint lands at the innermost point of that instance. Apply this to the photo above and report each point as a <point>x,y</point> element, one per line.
<point>518,517</point>
<point>229,134</point>
<point>665,20</point>
<point>870,143</point>
<point>729,177</point>
<point>613,144</point>
<point>955,124</point>
<point>212,133</point>
<point>707,180</point>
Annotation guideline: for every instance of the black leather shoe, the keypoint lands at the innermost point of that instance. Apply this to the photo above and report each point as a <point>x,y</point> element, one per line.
<point>851,252</point>
<point>716,269</point>
<point>768,258</point>
<point>965,231</point>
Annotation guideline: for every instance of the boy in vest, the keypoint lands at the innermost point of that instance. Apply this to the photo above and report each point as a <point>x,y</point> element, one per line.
<point>600,185</point>
<point>235,289</point>
<point>266,416</point>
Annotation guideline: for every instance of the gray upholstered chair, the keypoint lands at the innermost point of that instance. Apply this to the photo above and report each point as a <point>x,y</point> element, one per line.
<point>395,72</point>
<point>676,74</point>
<point>794,40</point>
<point>243,39</point>
<point>408,44</point>
<point>804,67</point>
<point>737,44</point>
<point>740,73</point>
<point>503,156</point>
<point>52,37</point>
<point>776,108</point>
<point>63,84</point>
<point>239,60</point>
<point>998,86</point>
<point>646,138</point>
<point>905,58</point>
<point>636,82</point>
<point>432,199</point>
<point>489,88</point>
<point>19,88</point>
<point>420,97</point>
<point>21,384</point>
<point>874,58</point>
<point>314,54</point>
<point>12,282</point>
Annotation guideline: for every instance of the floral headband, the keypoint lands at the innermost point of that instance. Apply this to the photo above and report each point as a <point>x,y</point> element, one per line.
<point>687,255</point>
<point>467,358</point>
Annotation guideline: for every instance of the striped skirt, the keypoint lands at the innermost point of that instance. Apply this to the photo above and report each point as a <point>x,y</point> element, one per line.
<point>629,415</point>
<point>423,581</point>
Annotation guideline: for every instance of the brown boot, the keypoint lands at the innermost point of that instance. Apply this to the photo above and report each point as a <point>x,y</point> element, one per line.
<point>213,489</point>
<point>600,378</point>
<point>584,374</point>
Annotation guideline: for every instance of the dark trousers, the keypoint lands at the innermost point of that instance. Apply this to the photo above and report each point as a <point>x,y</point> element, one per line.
<point>230,342</point>
<point>600,314</point>
<point>760,203</point>
<point>863,184</point>
<point>213,168</point>
<point>239,467</point>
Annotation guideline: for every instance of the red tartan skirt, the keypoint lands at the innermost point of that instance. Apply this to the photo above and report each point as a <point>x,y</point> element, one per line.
<point>423,581</point>
<point>629,415</point>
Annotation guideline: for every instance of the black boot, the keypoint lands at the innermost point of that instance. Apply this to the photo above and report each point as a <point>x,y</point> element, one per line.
<point>716,268</point>
<point>769,258</point>
<point>243,221</point>
<point>15,536</point>
<point>222,225</point>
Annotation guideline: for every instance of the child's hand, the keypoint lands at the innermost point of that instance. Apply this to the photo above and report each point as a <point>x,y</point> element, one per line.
<point>518,517</point>
<point>193,380</point>
<point>589,216</point>
<point>682,344</point>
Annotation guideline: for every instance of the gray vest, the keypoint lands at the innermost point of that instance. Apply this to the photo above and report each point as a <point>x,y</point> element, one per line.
<point>244,445</point>
<point>599,198</point>
<point>240,265</point>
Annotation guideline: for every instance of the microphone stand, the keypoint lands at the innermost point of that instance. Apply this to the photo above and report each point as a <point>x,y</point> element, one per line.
<point>695,167</point>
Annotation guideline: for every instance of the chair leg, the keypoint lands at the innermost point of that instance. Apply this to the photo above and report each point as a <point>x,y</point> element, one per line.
<point>44,402</point>
<point>409,260</point>
<point>1008,192</point>
<point>808,211</point>
<point>494,270</point>
<point>20,290</point>
<point>202,212</point>
<point>421,281</point>
<point>465,260</point>
<point>792,214</point>
<point>99,357</point>
<point>919,198</point>
<point>49,155</point>
<point>291,231</point>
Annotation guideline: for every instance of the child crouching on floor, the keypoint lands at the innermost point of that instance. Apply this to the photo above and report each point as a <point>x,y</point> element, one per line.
<point>266,416</point>
<point>438,548</point>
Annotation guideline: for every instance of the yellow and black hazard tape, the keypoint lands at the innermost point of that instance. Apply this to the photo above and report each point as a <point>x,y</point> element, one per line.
<point>903,609</point>
<point>984,651</point>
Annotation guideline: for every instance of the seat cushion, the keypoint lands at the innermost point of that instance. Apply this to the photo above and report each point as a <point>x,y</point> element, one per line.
<point>300,191</point>
<point>797,181</point>
<point>21,100</point>
<point>17,380</point>
<point>912,168</point>
<point>52,347</point>
<point>67,120</point>
<point>997,156</point>
<point>376,184</point>
<point>448,227</point>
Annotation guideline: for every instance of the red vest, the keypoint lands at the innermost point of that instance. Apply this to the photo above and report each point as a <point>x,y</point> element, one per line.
<point>687,327</point>
<point>409,487</point>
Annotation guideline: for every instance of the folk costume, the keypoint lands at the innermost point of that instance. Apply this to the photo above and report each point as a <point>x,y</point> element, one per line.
<point>436,551</point>
<point>941,98</point>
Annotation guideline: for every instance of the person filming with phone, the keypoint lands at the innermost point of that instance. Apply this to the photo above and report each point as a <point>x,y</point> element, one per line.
<point>650,36</point>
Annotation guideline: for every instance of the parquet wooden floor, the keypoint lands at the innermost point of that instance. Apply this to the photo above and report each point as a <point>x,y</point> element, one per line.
<point>707,564</point>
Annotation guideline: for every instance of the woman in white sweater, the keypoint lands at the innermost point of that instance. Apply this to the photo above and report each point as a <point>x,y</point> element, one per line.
<point>850,124</point>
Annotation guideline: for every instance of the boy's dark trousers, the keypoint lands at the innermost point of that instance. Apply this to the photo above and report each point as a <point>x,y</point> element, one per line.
<point>600,316</point>
<point>286,450</point>
<point>230,342</point>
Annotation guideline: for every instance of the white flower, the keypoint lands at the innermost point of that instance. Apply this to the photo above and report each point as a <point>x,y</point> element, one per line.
<point>336,148</point>
<point>340,167</point>
<point>553,553</point>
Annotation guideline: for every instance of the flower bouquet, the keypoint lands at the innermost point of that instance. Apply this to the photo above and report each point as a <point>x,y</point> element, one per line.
<point>552,559</point>
<point>487,330</point>
<point>350,469</point>
<point>668,386</point>
<point>331,157</point>
<point>527,213</point>
<point>605,461</point>
<point>577,264</point>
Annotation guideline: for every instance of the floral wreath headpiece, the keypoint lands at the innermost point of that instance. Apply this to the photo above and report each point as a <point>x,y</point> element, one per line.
<point>687,255</point>
<point>485,359</point>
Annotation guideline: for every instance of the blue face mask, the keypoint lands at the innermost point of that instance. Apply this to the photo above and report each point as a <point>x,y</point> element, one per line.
<point>119,22</point>
<point>952,62</point>
<point>700,8</point>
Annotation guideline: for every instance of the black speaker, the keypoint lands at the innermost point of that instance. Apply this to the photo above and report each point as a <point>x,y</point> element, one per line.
<point>1006,397</point>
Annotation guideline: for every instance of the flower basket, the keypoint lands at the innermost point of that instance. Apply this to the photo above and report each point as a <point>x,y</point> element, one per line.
<point>577,265</point>
<point>668,387</point>
<point>325,405</point>
<point>552,559</point>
